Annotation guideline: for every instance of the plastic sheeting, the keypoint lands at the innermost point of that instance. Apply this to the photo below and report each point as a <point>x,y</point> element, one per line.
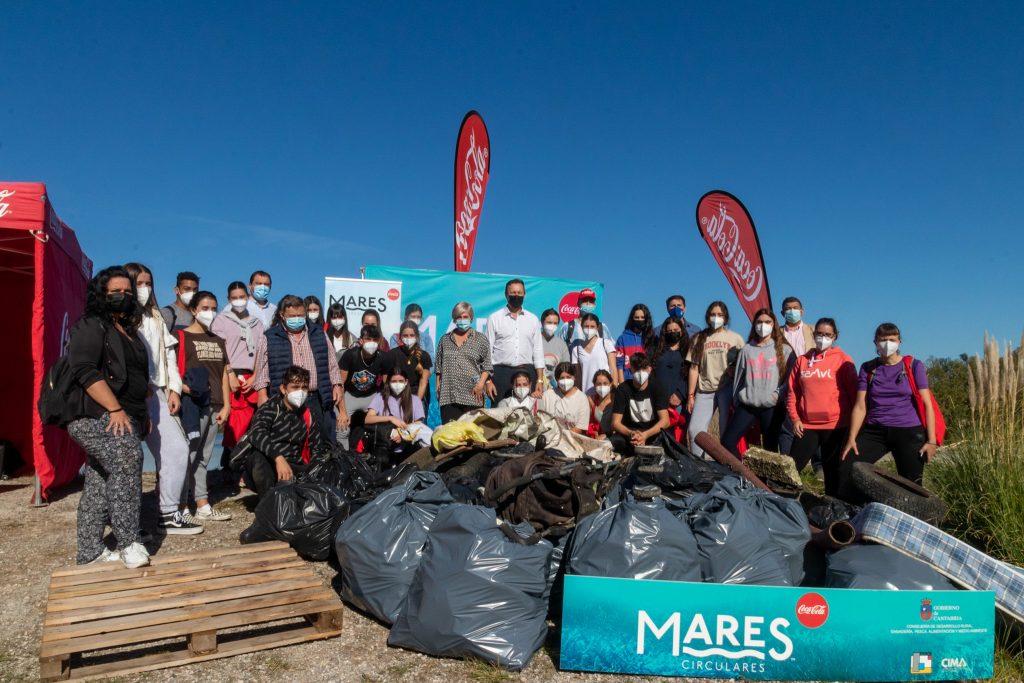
<point>477,593</point>
<point>305,514</point>
<point>380,545</point>
<point>877,567</point>
<point>634,540</point>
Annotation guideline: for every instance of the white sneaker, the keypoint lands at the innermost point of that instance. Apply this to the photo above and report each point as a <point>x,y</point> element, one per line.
<point>208,514</point>
<point>107,555</point>
<point>189,518</point>
<point>135,555</point>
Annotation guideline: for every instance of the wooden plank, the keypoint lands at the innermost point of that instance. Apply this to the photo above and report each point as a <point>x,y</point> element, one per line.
<point>163,660</point>
<point>136,606</point>
<point>148,633</point>
<point>162,560</point>
<point>195,615</point>
<point>54,668</point>
<point>186,576</point>
<point>169,592</point>
<point>116,572</point>
<point>326,621</point>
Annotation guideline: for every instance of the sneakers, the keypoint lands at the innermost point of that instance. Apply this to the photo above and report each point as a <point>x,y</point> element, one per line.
<point>189,518</point>
<point>107,555</point>
<point>208,514</point>
<point>176,524</point>
<point>134,556</point>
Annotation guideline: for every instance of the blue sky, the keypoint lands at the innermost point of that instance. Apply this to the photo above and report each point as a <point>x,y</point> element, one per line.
<point>877,145</point>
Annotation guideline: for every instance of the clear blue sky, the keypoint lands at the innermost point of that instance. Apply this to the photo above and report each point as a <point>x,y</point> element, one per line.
<point>878,146</point>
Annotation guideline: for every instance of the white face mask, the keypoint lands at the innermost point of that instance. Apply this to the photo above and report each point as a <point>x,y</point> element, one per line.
<point>186,297</point>
<point>239,305</point>
<point>297,398</point>
<point>641,377</point>
<point>418,321</point>
<point>409,342</point>
<point>398,387</point>
<point>370,347</point>
<point>550,330</point>
<point>763,329</point>
<point>338,323</point>
<point>887,348</point>
<point>521,392</point>
<point>566,383</point>
<point>206,317</point>
<point>821,343</point>
<point>589,333</point>
<point>142,294</point>
<point>716,321</point>
<point>602,390</point>
<point>313,315</point>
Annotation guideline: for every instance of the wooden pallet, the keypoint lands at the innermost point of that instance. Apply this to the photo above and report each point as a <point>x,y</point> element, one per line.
<point>182,609</point>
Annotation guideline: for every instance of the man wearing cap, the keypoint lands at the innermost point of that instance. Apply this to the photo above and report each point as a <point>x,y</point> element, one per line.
<point>571,331</point>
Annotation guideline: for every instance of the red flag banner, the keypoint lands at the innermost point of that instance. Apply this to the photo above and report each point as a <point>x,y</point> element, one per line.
<point>472,170</point>
<point>726,225</point>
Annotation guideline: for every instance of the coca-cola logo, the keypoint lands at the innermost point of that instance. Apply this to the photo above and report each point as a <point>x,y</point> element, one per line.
<point>569,307</point>
<point>393,294</point>
<point>5,207</point>
<point>474,179</point>
<point>812,610</point>
<point>724,235</point>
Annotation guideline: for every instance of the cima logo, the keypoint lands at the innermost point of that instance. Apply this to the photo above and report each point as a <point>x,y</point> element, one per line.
<point>921,663</point>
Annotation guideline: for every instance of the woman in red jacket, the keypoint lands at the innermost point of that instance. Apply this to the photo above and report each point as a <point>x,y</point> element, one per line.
<point>822,389</point>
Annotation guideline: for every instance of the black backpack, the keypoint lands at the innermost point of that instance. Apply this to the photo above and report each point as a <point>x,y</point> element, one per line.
<point>61,398</point>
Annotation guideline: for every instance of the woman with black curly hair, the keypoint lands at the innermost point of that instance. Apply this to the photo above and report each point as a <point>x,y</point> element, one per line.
<point>110,364</point>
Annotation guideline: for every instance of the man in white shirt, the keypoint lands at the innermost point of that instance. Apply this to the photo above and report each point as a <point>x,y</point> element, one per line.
<point>259,306</point>
<point>516,344</point>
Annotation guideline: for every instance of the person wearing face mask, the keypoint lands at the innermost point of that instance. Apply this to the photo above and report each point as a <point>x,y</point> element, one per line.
<point>462,366</point>
<point>200,349</point>
<point>639,410</point>
<point>363,369</point>
<point>372,318</point>
<point>712,358</point>
<point>259,304</point>
<point>592,353</point>
<point>177,315</point>
<point>284,434</point>
<point>414,314</point>
<point>799,335</point>
<point>670,370</point>
<point>602,396</point>
<point>521,394</point>
<point>822,389</point>
<point>516,343</point>
<point>762,369</point>
<point>110,368</point>
<point>410,357</point>
<point>314,310</point>
<point>675,306</point>
<point>885,415</point>
<point>165,439</point>
<point>570,332</point>
<point>394,409</point>
<point>638,337</point>
<point>555,349</point>
<point>567,404</point>
<point>240,331</point>
<point>337,330</point>
<point>293,340</point>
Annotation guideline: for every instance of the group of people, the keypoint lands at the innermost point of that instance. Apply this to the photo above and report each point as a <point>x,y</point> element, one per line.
<point>285,382</point>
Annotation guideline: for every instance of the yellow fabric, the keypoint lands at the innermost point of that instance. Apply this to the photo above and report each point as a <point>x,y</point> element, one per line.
<point>455,434</point>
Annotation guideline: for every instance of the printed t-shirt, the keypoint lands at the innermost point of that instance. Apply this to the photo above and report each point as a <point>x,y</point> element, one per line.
<point>719,354</point>
<point>364,376</point>
<point>207,350</point>
<point>639,407</point>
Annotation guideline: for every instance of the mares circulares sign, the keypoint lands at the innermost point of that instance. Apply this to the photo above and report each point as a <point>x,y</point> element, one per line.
<point>472,170</point>
<point>359,296</point>
<point>705,630</point>
<point>726,226</point>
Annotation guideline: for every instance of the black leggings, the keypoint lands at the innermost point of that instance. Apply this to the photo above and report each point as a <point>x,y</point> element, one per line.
<point>874,441</point>
<point>622,444</point>
<point>831,442</point>
<point>453,411</point>
<point>744,417</point>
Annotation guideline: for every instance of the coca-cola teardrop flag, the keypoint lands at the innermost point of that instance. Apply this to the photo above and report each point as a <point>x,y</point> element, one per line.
<point>726,225</point>
<point>472,169</point>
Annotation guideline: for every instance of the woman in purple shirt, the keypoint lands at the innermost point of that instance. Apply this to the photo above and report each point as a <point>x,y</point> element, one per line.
<point>885,417</point>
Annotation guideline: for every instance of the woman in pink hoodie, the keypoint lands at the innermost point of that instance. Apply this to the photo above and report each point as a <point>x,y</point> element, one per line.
<point>822,390</point>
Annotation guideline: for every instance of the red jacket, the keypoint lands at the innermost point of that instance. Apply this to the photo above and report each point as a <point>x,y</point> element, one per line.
<point>822,389</point>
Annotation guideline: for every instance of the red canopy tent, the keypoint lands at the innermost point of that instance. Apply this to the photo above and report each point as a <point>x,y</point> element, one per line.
<point>44,276</point>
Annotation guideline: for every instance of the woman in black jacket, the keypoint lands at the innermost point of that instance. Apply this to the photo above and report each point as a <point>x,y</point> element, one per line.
<point>110,364</point>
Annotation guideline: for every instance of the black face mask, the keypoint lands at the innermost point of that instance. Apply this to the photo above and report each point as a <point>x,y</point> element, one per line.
<point>672,337</point>
<point>515,300</point>
<point>637,325</point>
<point>119,302</point>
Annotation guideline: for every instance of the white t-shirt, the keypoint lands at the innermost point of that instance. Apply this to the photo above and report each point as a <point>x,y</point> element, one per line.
<point>591,361</point>
<point>573,409</point>
<point>512,402</point>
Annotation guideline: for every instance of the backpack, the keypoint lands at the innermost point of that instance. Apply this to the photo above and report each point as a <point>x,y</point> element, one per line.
<point>61,398</point>
<point>908,369</point>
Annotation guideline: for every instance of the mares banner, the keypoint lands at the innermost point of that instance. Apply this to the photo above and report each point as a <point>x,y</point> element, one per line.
<point>726,225</point>
<point>358,296</point>
<point>708,630</point>
<point>472,170</point>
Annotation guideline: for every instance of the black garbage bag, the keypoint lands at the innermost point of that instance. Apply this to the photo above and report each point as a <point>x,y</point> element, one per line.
<point>823,511</point>
<point>636,539</point>
<point>380,545</point>
<point>681,473</point>
<point>466,479</point>
<point>305,514</point>
<point>479,591</point>
<point>877,567</point>
<point>734,539</point>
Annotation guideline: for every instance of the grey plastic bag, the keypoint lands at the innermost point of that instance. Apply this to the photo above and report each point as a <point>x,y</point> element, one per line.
<point>877,567</point>
<point>479,591</point>
<point>380,545</point>
<point>634,540</point>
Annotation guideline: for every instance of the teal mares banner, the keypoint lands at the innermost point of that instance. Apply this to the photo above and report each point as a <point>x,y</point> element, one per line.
<point>708,630</point>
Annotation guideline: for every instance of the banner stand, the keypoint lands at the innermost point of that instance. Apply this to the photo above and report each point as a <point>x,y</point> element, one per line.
<point>37,494</point>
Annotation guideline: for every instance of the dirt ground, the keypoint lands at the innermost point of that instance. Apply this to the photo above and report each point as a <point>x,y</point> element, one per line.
<point>36,541</point>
